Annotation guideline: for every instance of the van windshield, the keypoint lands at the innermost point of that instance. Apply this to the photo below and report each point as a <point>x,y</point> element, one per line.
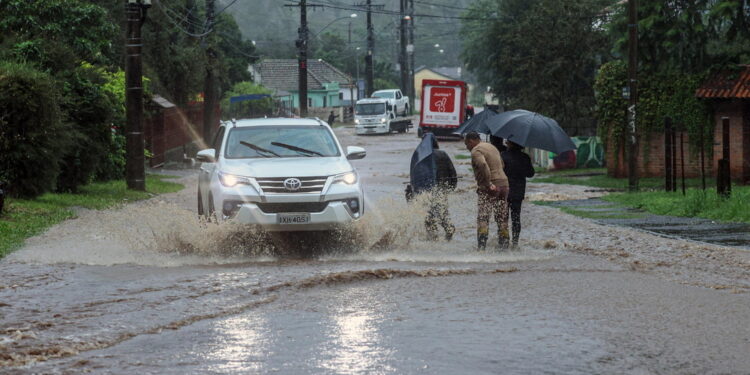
<point>280,142</point>
<point>370,109</point>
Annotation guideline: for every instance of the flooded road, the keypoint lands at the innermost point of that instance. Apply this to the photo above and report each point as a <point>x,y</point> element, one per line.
<point>150,289</point>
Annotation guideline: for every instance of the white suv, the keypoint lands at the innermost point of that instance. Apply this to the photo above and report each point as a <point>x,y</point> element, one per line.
<point>283,174</point>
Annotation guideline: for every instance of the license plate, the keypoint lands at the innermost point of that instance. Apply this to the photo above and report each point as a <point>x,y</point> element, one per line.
<point>293,218</point>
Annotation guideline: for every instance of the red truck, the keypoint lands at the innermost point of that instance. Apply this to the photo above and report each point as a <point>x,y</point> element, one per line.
<point>443,106</point>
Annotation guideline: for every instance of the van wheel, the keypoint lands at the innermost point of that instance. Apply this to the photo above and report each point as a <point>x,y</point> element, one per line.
<point>406,110</point>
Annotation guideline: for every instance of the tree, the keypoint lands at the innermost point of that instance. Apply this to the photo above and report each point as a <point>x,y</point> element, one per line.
<point>539,55</point>
<point>32,136</point>
<point>247,109</point>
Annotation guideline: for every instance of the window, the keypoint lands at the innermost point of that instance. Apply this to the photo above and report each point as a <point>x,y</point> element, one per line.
<point>341,96</point>
<point>325,101</point>
<point>398,94</point>
<point>281,142</point>
<point>309,102</point>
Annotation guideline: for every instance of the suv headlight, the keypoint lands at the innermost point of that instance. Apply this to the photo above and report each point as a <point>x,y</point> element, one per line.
<point>349,178</point>
<point>356,121</point>
<point>230,180</point>
<point>382,120</point>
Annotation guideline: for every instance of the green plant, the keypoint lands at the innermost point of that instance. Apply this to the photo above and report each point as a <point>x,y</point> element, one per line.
<point>33,138</point>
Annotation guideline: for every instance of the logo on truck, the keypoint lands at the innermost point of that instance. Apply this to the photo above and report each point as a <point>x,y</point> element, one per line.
<point>442,99</point>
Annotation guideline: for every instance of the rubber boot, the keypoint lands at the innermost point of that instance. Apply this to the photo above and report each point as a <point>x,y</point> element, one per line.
<point>503,239</point>
<point>482,241</point>
<point>449,232</point>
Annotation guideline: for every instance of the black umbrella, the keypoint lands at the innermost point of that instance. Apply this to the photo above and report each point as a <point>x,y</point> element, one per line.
<point>478,123</point>
<point>531,129</point>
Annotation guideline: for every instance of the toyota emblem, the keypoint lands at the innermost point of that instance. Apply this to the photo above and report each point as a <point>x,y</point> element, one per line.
<point>292,184</point>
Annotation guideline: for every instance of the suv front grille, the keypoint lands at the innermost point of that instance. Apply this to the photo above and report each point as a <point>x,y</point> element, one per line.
<point>275,208</point>
<point>275,185</point>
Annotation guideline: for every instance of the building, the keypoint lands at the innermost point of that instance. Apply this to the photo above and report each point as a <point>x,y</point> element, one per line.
<point>327,87</point>
<point>729,95</point>
<point>173,134</point>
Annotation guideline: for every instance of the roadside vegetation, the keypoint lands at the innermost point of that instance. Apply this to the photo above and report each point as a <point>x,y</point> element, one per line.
<point>597,177</point>
<point>695,203</point>
<point>23,218</point>
<point>653,199</point>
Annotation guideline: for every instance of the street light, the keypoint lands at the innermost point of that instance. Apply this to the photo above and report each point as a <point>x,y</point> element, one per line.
<point>353,15</point>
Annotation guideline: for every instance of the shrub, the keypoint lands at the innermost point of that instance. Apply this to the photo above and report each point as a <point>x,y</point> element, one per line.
<point>89,111</point>
<point>32,135</point>
<point>250,108</point>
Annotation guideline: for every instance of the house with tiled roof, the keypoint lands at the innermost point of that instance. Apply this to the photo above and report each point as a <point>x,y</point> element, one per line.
<point>728,93</point>
<point>326,85</point>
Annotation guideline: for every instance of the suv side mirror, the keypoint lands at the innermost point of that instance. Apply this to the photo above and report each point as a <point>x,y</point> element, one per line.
<point>355,153</point>
<point>206,156</point>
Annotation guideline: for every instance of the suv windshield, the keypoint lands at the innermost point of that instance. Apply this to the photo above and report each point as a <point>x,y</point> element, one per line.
<point>371,109</point>
<point>383,94</point>
<point>280,141</point>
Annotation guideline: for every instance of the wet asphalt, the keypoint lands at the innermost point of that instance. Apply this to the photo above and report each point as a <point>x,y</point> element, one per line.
<point>149,289</point>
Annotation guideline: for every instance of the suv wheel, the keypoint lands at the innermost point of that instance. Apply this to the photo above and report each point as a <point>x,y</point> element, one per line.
<point>200,203</point>
<point>211,214</point>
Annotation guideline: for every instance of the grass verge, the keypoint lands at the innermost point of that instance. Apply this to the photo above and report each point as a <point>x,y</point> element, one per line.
<point>24,218</point>
<point>695,203</point>
<point>597,177</point>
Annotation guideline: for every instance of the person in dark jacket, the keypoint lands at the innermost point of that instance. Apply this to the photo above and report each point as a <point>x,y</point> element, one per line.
<point>331,118</point>
<point>432,173</point>
<point>517,166</point>
<point>445,181</point>
<point>498,143</point>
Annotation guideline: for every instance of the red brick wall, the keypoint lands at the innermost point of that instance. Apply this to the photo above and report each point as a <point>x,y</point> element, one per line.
<point>168,131</point>
<point>651,158</point>
<point>739,137</point>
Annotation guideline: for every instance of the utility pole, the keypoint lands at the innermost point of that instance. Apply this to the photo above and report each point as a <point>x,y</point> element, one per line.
<point>402,59</point>
<point>301,44</point>
<point>369,72</point>
<point>410,51</point>
<point>135,174</point>
<point>209,85</point>
<point>633,90</point>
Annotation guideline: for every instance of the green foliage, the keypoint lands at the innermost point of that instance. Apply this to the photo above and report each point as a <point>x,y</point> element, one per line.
<point>32,136</point>
<point>696,203</point>
<point>601,180</point>
<point>76,25</point>
<point>90,111</point>
<point>383,84</point>
<point>690,36</point>
<point>247,109</point>
<point>539,55</point>
<point>25,218</point>
<point>660,95</point>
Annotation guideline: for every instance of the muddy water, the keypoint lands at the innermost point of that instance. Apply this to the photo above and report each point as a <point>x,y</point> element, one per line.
<point>151,289</point>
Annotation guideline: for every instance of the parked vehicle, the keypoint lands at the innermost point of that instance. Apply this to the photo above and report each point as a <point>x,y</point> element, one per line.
<point>377,116</point>
<point>443,106</point>
<point>397,99</point>
<point>283,174</point>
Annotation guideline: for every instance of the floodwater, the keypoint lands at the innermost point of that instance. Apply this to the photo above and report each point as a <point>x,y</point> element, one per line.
<point>149,288</point>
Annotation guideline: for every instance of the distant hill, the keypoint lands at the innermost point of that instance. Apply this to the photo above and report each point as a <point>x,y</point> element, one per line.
<point>274,27</point>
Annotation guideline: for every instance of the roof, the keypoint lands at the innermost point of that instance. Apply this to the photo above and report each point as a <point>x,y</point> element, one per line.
<point>162,102</point>
<point>727,85</point>
<point>453,73</point>
<point>277,122</point>
<point>283,74</point>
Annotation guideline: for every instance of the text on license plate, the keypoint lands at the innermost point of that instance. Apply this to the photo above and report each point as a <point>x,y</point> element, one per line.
<point>293,218</point>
